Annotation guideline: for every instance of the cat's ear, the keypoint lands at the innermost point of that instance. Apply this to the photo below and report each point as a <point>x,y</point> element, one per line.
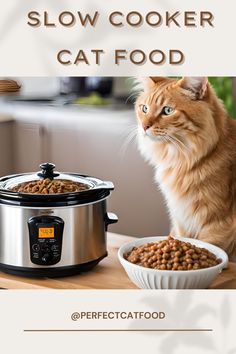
<point>150,81</point>
<point>196,84</point>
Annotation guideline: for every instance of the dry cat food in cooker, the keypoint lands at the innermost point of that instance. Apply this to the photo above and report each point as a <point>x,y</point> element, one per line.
<point>48,186</point>
<point>172,254</point>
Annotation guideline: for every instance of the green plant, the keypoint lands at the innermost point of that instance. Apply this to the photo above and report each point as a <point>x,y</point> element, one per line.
<point>223,88</point>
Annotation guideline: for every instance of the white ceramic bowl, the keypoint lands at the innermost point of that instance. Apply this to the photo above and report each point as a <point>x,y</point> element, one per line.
<point>147,278</point>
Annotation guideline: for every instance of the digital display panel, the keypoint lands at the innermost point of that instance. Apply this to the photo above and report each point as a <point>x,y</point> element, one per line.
<point>46,232</point>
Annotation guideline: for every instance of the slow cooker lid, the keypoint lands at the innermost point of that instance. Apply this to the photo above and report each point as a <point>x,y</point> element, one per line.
<point>47,172</point>
<point>93,188</point>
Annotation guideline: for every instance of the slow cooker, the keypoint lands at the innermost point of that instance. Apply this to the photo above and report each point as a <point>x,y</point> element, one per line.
<point>51,233</point>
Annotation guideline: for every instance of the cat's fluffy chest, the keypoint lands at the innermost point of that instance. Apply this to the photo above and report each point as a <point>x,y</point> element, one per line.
<point>180,207</point>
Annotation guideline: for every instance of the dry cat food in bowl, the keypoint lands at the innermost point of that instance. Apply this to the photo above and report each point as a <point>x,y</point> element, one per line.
<point>172,263</point>
<point>172,254</point>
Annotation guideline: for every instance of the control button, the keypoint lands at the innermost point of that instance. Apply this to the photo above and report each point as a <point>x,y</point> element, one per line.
<point>36,247</point>
<point>54,248</point>
<point>45,248</point>
<point>47,257</point>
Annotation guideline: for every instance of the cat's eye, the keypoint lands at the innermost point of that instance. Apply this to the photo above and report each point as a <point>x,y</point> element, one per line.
<point>167,110</point>
<point>144,108</point>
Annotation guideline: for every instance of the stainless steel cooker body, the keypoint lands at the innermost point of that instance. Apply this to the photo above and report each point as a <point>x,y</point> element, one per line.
<point>83,238</point>
<point>53,234</point>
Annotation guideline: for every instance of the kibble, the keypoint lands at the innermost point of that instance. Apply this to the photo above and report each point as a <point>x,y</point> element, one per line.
<point>48,186</point>
<point>172,254</point>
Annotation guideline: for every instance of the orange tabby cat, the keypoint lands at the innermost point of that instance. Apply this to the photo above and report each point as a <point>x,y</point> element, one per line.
<point>187,135</point>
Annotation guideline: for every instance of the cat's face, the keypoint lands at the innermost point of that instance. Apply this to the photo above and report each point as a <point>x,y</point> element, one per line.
<point>176,111</point>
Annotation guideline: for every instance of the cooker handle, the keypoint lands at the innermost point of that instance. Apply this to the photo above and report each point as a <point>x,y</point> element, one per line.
<point>110,218</point>
<point>108,185</point>
<point>104,185</point>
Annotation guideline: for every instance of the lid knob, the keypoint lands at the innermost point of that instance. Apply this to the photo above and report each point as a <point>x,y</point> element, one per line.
<point>47,170</point>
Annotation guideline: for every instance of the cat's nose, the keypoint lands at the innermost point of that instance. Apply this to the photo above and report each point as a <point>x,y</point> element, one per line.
<point>146,126</point>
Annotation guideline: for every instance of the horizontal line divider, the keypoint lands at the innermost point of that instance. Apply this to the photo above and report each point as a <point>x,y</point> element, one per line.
<point>124,330</point>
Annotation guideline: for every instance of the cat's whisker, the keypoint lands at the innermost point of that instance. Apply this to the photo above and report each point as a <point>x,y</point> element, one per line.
<point>133,96</point>
<point>179,143</point>
<point>166,139</point>
<point>182,143</point>
<point>176,143</point>
<point>131,136</point>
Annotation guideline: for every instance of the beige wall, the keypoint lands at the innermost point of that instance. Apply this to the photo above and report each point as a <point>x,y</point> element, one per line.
<point>6,146</point>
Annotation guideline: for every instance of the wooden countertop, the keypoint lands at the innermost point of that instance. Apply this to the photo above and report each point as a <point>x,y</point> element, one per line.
<point>108,274</point>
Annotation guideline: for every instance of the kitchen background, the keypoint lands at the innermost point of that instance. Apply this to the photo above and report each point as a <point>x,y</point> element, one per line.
<point>86,125</point>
